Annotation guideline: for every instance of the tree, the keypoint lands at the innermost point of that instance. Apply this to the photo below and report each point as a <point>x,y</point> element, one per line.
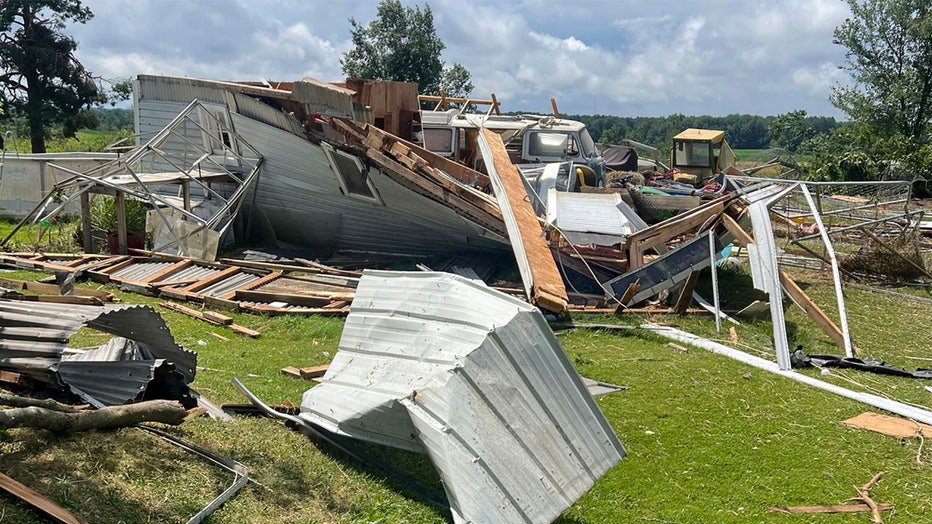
<point>39,74</point>
<point>789,130</point>
<point>401,44</point>
<point>889,57</point>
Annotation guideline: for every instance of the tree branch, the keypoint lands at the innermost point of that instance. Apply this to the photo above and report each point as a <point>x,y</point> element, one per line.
<point>163,411</point>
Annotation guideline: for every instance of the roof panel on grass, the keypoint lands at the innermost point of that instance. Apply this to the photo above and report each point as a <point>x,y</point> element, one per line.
<point>436,363</point>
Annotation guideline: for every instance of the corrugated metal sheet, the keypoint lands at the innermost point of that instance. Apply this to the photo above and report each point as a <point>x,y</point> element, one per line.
<point>436,363</point>
<point>298,186</point>
<point>604,214</point>
<point>139,271</point>
<point>33,337</point>
<point>229,284</point>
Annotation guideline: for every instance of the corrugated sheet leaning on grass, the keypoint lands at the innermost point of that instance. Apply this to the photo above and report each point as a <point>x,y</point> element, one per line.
<point>436,363</point>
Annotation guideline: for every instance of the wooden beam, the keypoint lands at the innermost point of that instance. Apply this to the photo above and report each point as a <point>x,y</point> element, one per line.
<point>526,236</point>
<point>792,289</point>
<point>120,205</point>
<point>38,501</point>
<point>275,275</point>
<point>177,266</point>
<point>815,313</point>
<point>686,294</point>
<point>86,240</point>
<point>309,300</point>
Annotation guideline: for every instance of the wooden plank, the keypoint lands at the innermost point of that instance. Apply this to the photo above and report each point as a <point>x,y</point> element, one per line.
<point>292,372</point>
<point>213,279</point>
<point>312,299</point>
<point>61,299</point>
<point>837,508</point>
<point>275,266</point>
<point>193,313</point>
<point>172,283</point>
<point>217,318</point>
<point>261,281</point>
<point>181,264</point>
<point>38,501</point>
<point>890,426</point>
<point>272,311</point>
<point>104,262</point>
<point>328,269</point>
<point>473,206</point>
<point>813,310</point>
<point>222,304</point>
<point>118,266</point>
<point>546,283</point>
<point>686,294</point>
<point>10,377</point>
<point>313,371</point>
<point>630,292</point>
<point>243,330</point>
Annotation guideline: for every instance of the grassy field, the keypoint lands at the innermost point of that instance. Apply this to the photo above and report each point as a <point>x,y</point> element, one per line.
<point>709,439</point>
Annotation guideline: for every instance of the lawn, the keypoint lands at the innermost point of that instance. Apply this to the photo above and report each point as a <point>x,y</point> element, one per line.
<point>708,439</point>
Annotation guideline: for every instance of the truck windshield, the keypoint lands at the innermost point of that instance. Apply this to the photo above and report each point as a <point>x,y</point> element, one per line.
<point>588,145</point>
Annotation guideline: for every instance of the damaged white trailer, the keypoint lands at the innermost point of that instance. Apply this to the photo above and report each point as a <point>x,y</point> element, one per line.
<point>442,365</point>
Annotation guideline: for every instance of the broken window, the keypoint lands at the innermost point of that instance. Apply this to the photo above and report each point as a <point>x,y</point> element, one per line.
<point>215,122</point>
<point>439,140</point>
<point>351,174</point>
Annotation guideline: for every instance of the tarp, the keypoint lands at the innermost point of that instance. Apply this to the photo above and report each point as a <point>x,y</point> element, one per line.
<point>619,158</point>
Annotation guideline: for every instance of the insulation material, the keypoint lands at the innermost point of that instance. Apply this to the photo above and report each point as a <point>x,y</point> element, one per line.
<point>439,364</point>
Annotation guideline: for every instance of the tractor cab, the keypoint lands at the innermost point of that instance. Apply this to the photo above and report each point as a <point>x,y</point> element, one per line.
<point>700,154</point>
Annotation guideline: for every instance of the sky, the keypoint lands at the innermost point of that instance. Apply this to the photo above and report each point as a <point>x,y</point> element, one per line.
<point>612,57</point>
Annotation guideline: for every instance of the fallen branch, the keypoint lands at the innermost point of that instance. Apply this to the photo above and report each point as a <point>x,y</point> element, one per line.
<point>25,402</point>
<point>163,411</point>
<point>864,495</point>
<point>838,508</point>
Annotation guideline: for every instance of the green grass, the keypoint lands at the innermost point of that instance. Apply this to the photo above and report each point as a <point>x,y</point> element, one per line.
<point>708,439</point>
<point>56,236</point>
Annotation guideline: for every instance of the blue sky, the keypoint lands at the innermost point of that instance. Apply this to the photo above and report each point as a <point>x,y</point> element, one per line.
<point>620,57</point>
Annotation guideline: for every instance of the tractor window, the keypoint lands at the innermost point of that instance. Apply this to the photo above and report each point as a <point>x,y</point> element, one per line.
<point>693,154</point>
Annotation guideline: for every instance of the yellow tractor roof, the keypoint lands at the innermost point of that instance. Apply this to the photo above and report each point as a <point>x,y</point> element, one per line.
<point>704,135</point>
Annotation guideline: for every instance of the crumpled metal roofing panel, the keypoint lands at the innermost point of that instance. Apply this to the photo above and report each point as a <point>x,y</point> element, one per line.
<point>33,335</point>
<point>476,379</point>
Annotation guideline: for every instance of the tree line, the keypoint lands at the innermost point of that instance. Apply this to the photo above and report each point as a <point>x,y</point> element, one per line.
<point>741,130</point>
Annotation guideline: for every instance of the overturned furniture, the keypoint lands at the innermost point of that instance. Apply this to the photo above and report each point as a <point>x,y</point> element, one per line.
<point>142,361</point>
<point>439,364</point>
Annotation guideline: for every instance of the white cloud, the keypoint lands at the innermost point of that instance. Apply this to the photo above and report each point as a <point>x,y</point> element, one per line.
<point>717,56</point>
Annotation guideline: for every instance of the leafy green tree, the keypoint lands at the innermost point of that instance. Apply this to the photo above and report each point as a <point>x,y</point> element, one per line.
<point>789,130</point>
<point>401,44</point>
<point>39,74</point>
<point>889,57</point>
